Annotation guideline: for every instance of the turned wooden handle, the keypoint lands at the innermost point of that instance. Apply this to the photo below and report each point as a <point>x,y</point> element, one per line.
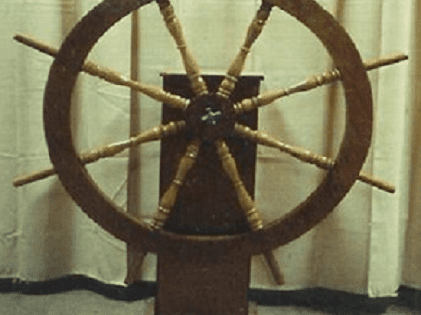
<point>107,150</point>
<point>234,71</point>
<point>376,181</point>
<point>334,75</point>
<point>307,156</point>
<point>152,134</point>
<point>314,81</point>
<point>34,176</point>
<point>384,60</point>
<point>110,75</point>
<point>170,196</point>
<point>176,30</point>
<point>254,217</point>
<point>246,202</point>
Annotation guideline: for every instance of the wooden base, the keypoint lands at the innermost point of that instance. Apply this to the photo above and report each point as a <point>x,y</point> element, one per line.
<point>194,282</point>
<point>150,307</point>
<point>191,281</point>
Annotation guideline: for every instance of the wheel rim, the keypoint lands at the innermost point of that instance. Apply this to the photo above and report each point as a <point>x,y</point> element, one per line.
<point>101,209</point>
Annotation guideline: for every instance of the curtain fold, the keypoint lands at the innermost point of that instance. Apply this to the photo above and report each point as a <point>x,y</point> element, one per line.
<point>370,244</point>
<point>412,267</point>
<point>390,147</point>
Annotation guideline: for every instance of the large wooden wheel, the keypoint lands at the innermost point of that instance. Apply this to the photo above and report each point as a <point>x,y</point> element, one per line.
<point>210,117</point>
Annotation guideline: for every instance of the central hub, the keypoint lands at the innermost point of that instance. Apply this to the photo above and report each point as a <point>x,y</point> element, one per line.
<point>210,117</point>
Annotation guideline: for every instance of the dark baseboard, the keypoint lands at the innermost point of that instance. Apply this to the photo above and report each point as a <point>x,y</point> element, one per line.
<point>132,292</point>
<point>324,300</point>
<point>328,301</point>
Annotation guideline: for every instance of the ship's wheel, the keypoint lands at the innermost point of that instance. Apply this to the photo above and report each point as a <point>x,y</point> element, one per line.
<point>209,118</point>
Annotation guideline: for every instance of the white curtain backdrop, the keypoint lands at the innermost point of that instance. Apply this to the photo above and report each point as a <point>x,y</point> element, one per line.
<point>370,244</point>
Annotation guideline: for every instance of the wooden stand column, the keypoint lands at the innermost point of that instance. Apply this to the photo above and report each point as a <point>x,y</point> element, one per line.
<point>191,281</point>
<point>194,282</point>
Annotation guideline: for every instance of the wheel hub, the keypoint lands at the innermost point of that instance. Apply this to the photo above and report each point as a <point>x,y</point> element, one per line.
<point>210,117</point>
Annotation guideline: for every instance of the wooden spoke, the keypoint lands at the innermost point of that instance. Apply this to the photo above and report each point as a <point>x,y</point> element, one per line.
<point>307,156</point>
<point>110,75</point>
<point>176,30</point>
<point>170,196</point>
<point>312,82</point>
<point>246,202</point>
<point>237,65</point>
<point>107,150</point>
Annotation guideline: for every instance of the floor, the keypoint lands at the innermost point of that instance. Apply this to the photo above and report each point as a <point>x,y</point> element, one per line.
<point>84,302</point>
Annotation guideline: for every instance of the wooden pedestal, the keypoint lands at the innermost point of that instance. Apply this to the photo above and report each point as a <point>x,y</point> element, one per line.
<point>191,281</point>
